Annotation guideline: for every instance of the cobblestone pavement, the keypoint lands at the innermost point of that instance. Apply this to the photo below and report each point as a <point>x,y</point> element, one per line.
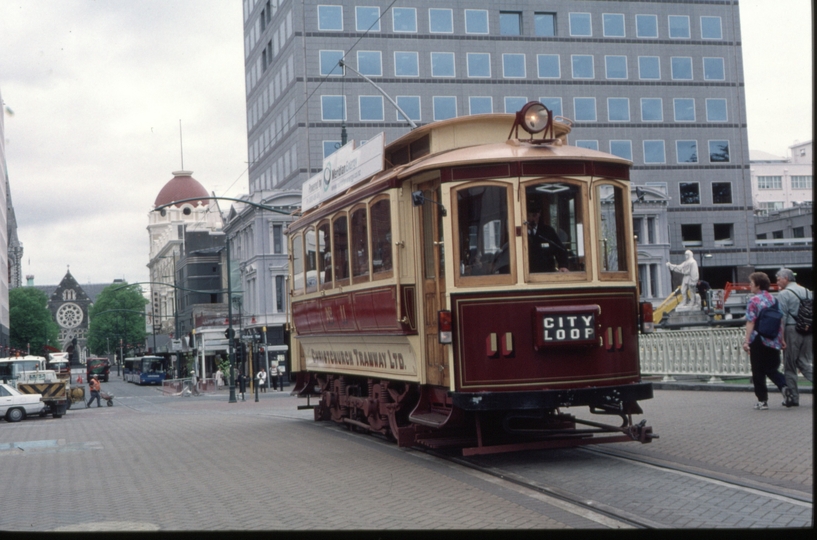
<point>153,462</point>
<point>161,463</point>
<point>705,433</point>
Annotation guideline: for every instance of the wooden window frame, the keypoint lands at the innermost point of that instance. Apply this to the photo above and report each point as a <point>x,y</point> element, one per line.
<point>557,277</point>
<point>363,278</point>
<point>487,280</point>
<point>386,274</point>
<point>624,223</point>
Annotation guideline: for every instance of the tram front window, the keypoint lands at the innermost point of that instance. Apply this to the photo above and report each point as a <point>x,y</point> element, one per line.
<point>555,234</point>
<point>482,215</point>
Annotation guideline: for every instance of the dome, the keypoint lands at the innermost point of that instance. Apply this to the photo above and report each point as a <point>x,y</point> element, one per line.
<point>182,186</point>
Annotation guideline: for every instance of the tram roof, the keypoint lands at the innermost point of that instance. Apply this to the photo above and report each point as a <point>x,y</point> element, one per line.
<point>466,141</point>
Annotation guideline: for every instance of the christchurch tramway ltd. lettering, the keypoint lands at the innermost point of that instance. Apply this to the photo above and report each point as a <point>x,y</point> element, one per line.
<point>383,360</point>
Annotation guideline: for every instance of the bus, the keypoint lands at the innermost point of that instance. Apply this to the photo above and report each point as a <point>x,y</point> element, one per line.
<point>145,370</point>
<point>468,286</point>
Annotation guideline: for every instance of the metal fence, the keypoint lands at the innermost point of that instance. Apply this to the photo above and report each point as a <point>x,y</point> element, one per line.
<point>705,352</point>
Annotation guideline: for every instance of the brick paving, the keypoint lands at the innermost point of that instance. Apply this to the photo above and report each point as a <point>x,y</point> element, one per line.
<point>167,463</point>
<point>158,463</point>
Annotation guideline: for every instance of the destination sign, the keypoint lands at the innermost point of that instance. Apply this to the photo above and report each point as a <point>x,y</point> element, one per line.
<point>343,169</point>
<point>565,325</point>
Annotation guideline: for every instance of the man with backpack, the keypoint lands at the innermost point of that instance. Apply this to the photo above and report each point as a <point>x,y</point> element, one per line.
<point>795,302</point>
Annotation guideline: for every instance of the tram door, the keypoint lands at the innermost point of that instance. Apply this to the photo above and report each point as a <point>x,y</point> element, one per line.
<point>433,255</point>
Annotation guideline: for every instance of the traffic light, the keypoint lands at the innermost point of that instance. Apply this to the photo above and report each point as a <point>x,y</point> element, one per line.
<point>239,353</point>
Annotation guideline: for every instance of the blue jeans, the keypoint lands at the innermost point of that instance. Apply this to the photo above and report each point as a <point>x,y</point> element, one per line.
<point>95,396</point>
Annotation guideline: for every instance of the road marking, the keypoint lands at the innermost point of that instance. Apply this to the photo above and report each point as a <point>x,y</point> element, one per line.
<point>46,447</point>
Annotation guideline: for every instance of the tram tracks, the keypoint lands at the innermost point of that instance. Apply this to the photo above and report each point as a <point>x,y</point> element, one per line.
<point>611,515</point>
<point>592,510</point>
<point>786,495</point>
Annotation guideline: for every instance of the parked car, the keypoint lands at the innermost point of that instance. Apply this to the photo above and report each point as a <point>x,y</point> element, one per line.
<point>14,406</point>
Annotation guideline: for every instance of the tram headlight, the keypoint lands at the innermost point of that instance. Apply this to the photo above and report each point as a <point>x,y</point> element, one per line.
<point>444,326</point>
<point>533,117</point>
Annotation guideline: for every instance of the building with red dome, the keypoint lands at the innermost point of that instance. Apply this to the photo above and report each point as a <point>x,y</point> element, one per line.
<point>191,218</point>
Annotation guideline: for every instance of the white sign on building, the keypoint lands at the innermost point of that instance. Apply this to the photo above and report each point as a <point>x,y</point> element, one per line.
<point>343,169</point>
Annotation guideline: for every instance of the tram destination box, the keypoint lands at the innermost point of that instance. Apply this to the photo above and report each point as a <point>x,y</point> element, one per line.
<point>560,326</point>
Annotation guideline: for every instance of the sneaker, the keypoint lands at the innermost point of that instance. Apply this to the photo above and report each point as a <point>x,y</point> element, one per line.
<point>761,406</point>
<point>788,402</point>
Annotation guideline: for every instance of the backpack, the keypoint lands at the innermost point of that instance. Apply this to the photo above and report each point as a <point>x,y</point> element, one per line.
<point>802,321</point>
<point>769,320</point>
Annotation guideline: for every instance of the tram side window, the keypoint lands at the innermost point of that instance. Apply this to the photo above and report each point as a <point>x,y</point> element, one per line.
<point>360,244</point>
<point>311,261</point>
<point>340,248</point>
<point>381,236</point>
<point>555,227</point>
<point>612,242</point>
<point>482,214</point>
<point>297,264</point>
<point>325,256</point>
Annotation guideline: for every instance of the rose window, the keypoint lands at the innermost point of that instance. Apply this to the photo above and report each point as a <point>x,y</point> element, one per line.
<point>69,315</point>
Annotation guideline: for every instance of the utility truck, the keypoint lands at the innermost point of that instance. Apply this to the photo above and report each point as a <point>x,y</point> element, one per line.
<point>28,374</point>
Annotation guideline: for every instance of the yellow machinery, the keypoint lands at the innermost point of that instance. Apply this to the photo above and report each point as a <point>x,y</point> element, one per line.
<point>670,303</point>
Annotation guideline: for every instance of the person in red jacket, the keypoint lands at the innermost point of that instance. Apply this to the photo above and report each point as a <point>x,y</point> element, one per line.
<point>95,387</point>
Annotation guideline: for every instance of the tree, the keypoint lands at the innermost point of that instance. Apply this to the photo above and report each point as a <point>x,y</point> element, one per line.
<point>31,324</point>
<point>118,313</point>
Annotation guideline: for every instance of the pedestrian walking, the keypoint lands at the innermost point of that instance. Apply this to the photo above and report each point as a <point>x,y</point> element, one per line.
<point>798,353</point>
<point>273,373</point>
<point>219,377</point>
<point>764,353</point>
<point>94,387</point>
<point>261,380</point>
<point>242,384</point>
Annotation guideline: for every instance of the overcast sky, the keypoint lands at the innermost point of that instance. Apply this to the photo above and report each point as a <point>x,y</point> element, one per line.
<point>97,89</point>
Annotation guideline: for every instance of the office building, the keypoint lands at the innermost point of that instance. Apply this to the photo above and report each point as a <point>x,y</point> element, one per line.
<point>659,83</point>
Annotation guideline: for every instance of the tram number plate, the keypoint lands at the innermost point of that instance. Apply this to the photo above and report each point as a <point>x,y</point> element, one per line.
<point>569,325</point>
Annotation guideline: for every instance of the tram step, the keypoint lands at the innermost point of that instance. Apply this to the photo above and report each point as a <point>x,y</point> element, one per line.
<point>429,418</point>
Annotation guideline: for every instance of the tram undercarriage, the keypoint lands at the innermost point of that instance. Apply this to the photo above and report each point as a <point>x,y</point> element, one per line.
<point>478,423</point>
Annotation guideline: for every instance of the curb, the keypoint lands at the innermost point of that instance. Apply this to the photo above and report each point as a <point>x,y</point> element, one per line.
<point>718,387</point>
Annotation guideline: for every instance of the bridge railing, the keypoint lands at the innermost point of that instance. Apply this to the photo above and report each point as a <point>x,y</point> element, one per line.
<point>705,352</point>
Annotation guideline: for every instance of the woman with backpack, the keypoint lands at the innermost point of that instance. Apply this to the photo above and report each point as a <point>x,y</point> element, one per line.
<point>764,339</point>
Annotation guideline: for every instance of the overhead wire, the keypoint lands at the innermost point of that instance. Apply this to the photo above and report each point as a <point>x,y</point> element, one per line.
<point>320,83</point>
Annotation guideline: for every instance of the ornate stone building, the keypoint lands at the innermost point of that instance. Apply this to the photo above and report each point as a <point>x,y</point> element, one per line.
<point>167,229</point>
<point>69,303</point>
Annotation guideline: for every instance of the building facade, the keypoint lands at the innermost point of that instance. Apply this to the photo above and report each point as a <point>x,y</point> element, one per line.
<point>660,83</point>
<point>167,229</point>
<point>69,304</point>
<point>260,264</point>
<point>782,182</point>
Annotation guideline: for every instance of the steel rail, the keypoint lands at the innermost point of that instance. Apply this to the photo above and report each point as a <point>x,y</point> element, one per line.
<point>786,495</point>
<point>616,514</point>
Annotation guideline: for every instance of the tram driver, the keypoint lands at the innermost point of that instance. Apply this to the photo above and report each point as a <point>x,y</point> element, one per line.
<point>546,253</point>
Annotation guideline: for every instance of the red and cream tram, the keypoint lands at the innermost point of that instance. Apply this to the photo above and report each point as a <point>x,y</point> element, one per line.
<point>463,287</point>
